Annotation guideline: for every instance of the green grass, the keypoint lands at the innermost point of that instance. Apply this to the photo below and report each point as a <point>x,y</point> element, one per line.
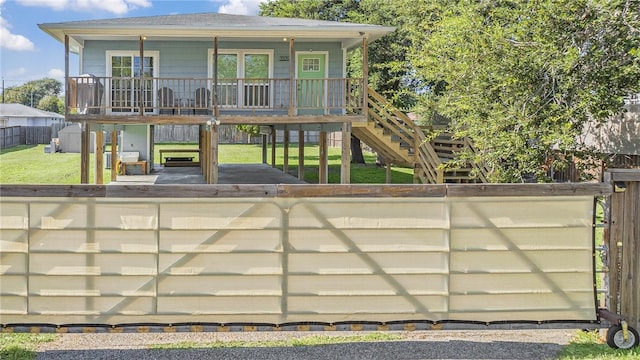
<point>22,346</point>
<point>313,340</point>
<point>589,345</point>
<point>29,164</point>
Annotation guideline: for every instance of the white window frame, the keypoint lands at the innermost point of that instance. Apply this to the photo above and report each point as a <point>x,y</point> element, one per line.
<point>109,71</point>
<point>240,53</point>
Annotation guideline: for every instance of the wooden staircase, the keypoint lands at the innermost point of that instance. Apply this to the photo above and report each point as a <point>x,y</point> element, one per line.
<point>400,141</point>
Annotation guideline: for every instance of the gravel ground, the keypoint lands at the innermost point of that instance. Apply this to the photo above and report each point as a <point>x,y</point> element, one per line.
<point>435,344</point>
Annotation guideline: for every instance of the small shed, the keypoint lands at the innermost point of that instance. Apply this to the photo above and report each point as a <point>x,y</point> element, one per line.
<point>70,139</point>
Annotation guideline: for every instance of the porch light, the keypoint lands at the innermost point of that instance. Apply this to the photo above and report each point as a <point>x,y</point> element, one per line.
<point>143,37</point>
<point>284,39</point>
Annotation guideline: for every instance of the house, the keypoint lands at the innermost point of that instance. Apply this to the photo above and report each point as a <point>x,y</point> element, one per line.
<point>209,70</point>
<point>22,115</point>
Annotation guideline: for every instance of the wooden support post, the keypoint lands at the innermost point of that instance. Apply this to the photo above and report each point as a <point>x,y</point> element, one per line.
<point>292,77</point>
<point>85,140</point>
<point>67,95</point>
<point>323,168</point>
<point>114,154</point>
<point>365,76</point>
<point>141,92</point>
<point>301,155</point>
<point>152,147</point>
<point>285,155</point>
<point>273,147</point>
<point>264,148</point>
<point>99,155</point>
<point>387,173</point>
<point>216,108</point>
<point>213,163</point>
<point>345,166</point>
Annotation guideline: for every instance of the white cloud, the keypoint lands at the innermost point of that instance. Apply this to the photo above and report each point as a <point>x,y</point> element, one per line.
<point>118,7</point>
<point>56,74</point>
<point>13,41</point>
<point>240,7</point>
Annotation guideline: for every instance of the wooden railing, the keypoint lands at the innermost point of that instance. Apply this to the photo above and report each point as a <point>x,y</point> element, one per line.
<point>197,96</point>
<point>427,165</point>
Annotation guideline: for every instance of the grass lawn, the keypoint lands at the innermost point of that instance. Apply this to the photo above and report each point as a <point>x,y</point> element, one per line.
<point>28,164</point>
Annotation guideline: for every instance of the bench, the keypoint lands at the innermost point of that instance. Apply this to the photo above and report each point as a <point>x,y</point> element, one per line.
<point>173,160</point>
<point>142,164</point>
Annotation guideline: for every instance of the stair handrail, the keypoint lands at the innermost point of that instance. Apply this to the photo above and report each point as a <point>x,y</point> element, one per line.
<point>427,164</point>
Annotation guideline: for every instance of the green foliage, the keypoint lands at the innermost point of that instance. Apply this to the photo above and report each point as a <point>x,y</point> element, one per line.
<point>522,78</point>
<point>589,345</point>
<point>51,103</point>
<point>313,340</point>
<point>22,346</point>
<point>33,92</point>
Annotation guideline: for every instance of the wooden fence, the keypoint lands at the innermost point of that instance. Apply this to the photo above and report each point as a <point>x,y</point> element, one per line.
<point>28,135</point>
<point>622,238</point>
<point>228,134</point>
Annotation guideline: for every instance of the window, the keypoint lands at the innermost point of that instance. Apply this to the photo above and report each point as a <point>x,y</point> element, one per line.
<point>243,78</point>
<point>124,92</point>
<point>311,65</point>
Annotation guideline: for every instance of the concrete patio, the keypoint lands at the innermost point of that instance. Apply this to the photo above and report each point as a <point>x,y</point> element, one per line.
<point>227,174</point>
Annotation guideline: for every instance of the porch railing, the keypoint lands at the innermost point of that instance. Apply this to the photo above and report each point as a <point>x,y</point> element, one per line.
<point>198,96</point>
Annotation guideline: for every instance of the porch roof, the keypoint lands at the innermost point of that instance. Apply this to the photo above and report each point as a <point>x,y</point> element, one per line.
<point>206,25</point>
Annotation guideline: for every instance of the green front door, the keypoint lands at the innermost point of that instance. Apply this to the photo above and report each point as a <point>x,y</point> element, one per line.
<point>311,94</point>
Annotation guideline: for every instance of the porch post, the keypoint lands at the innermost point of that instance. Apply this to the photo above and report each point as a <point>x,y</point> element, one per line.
<point>285,155</point>
<point>67,96</point>
<point>273,147</point>
<point>323,169</point>
<point>264,148</point>
<point>301,154</point>
<point>216,109</point>
<point>213,151</point>
<point>85,137</point>
<point>345,169</point>
<point>365,76</point>
<point>292,76</point>
<point>114,154</point>
<point>140,88</point>
<point>99,156</point>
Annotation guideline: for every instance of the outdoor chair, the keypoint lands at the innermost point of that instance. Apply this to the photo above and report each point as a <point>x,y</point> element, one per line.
<point>201,101</point>
<point>167,101</point>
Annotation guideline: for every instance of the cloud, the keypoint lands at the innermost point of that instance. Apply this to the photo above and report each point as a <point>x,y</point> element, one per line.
<point>118,7</point>
<point>11,41</point>
<point>240,7</point>
<point>56,74</point>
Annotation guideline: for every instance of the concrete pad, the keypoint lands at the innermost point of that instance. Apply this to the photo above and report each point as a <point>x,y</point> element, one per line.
<point>227,174</point>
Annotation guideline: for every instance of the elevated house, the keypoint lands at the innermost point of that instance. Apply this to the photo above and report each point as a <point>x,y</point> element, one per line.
<point>211,69</point>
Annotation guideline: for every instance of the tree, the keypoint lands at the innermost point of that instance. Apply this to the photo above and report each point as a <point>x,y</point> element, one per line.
<point>31,93</point>
<point>389,72</point>
<point>521,78</point>
<point>51,103</point>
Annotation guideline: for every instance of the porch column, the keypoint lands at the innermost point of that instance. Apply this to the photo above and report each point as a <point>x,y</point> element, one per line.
<point>114,154</point>
<point>216,109</point>
<point>273,147</point>
<point>67,95</point>
<point>264,148</point>
<point>99,151</point>
<point>285,155</point>
<point>292,76</point>
<point>141,87</point>
<point>213,153</point>
<point>365,76</point>
<point>301,155</point>
<point>85,139</point>
<point>345,168</point>
<point>323,168</point>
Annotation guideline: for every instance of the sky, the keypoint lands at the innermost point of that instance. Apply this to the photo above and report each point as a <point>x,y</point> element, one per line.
<point>28,53</point>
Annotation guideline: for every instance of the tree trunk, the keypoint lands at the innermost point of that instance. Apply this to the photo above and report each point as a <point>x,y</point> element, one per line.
<point>356,151</point>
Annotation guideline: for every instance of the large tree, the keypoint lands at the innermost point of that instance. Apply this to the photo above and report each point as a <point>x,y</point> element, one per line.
<point>33,92</point>
<point>521,78</point>
<point>388,70</point>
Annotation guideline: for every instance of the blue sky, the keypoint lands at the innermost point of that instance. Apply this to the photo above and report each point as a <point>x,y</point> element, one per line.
<point>28,53</point>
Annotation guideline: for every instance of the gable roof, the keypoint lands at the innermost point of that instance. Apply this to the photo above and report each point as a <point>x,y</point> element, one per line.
<point>208,25</point>
<point>23,111</point>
